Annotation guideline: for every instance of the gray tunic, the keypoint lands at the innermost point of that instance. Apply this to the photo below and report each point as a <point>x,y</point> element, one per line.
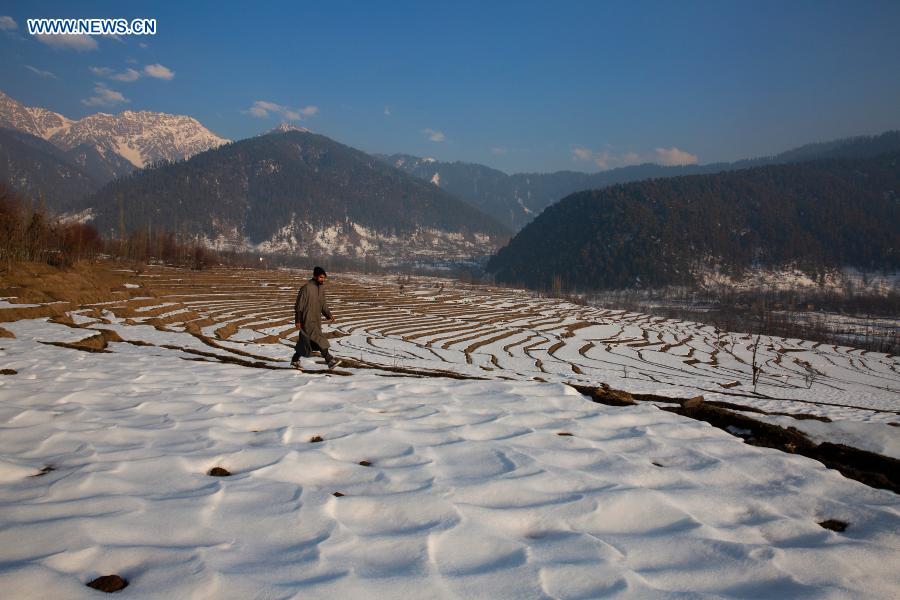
<point>309,309</point>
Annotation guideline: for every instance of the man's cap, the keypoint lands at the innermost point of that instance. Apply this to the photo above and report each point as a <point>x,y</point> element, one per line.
<point>319,271</point>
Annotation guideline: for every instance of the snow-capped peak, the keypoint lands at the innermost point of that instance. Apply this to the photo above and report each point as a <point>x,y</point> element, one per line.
<point>285,127</point>
<point>141,137</point>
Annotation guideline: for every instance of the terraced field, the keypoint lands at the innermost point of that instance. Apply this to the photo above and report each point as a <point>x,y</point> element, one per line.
<point>161,437</point>
<point>431,325</point>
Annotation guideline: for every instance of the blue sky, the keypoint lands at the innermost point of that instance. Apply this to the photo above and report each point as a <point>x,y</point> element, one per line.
<point>520,86</point>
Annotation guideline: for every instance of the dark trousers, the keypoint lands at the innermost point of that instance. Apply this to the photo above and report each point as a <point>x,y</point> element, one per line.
<point>305,347</point>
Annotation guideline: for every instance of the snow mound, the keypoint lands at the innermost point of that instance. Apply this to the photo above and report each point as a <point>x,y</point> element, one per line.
<point>418,488</point>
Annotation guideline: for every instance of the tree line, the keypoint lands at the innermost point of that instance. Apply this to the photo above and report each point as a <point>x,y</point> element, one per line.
<point>31,233</point>
<point>814,216</point>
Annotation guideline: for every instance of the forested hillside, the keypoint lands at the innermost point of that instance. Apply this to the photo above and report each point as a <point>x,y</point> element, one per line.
<point>283,190</point>
<point>815,215</point>
<point>516,199</point>
<point>43,173</point>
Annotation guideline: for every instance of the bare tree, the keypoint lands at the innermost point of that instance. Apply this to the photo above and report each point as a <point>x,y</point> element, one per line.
<point>756,369</point>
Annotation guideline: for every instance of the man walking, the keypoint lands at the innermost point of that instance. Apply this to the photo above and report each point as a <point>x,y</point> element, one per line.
<point>309,309</point>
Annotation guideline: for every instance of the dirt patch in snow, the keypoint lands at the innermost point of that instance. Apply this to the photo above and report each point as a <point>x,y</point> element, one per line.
<point>109,583</point>
<point>82,283</point>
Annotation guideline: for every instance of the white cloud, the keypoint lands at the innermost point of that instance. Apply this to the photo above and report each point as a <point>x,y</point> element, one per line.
<point>8,23</point>
<point>631,158</point>
<point>434,135</point>
<point>103,96</point>
<point>300,113</point>
<point>143,44</point>
<point>40,73</point>
<point>126,75</point>
<point>262,109</point>
<point>581,153</point>
<point>159,71</point>
<point>605,160</point>
<point>671,157</point>
<point>80,43</point>
<point>499,151</point>
<point>387,111</point>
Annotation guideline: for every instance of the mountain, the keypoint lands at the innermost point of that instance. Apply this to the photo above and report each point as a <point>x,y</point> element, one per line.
<point>101,165</point>
<point>491,191</point>
<point>283,127</point>
<point>515,200</point>
<point>298,192</point>
<point>862,146</point>
<point>141,137</point>
<point>39,170</point>
<point>813,216</point>
<point>38,122</point>
<point>109,146</point>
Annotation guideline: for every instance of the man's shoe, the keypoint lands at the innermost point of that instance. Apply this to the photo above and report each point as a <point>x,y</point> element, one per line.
<point>333,363</point>
<point>295,364</point>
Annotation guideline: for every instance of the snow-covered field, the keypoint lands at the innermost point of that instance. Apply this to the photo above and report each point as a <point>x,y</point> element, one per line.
<point>509,486</point>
